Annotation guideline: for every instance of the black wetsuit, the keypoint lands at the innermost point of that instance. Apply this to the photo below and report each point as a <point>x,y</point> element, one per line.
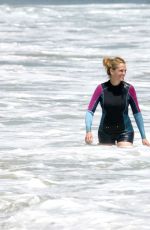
<point>115,124</point>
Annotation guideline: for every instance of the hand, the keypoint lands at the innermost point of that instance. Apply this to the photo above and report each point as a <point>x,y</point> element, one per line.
<point>89,138</point>
<point>145,142</point>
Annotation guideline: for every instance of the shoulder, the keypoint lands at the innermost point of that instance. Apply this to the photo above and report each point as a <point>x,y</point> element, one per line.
<point>105,84</point>
<point>129,87</point>
<point>126,84</point>
<point>99,89</point>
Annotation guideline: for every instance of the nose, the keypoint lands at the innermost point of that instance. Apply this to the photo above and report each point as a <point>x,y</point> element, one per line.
<point>123,74</point>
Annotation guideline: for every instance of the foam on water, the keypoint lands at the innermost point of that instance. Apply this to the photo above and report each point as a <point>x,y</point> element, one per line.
<point>51,61</point>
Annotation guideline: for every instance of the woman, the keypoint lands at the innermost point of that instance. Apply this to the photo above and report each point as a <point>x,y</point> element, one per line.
<point>114,97</point>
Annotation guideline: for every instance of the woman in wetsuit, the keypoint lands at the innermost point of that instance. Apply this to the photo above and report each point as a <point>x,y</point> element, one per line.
<point>115,96</point>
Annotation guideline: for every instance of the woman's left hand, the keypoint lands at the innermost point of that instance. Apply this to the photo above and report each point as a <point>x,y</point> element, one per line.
<point>145,142</point>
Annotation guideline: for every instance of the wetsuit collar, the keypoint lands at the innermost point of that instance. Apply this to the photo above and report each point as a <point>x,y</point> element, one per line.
<point>110,84</point>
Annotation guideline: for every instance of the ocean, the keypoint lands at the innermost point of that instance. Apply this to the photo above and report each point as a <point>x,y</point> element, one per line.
<point>51,62</point>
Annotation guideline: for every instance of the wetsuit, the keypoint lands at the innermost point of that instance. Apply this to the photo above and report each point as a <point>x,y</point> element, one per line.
<point>115,124</point>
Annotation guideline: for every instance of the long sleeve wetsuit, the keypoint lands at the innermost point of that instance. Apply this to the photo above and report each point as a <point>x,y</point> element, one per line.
<point>114,101</point>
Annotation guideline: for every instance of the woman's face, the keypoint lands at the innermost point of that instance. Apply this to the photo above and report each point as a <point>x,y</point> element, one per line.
<point>119,73</point>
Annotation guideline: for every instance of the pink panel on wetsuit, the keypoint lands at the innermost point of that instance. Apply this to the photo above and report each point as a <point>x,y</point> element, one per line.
<point>95,97</point>
<point>132,93</point>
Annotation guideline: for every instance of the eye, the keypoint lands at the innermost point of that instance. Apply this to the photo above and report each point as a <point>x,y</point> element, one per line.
<point>123,70</point>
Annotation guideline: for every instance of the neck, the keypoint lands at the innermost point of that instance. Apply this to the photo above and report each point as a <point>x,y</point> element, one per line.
<point>115,82</point>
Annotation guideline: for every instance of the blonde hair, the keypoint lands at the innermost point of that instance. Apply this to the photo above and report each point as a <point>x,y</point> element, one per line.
<point>112,63</point>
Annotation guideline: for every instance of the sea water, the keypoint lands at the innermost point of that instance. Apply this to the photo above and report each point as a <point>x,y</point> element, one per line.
<point>51,62</point>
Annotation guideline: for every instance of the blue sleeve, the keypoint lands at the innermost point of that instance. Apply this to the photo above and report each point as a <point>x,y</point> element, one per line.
<point>88,120</point>
<point>140,124</point>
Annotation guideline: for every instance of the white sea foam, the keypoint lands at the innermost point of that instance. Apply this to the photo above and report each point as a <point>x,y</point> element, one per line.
<point>51,62</point>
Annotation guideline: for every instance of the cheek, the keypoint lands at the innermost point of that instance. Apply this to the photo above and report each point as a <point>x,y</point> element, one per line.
<point>118,73</point>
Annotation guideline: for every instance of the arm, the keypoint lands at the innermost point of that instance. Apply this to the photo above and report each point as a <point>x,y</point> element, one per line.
<point>137,114</point>
<point>90,112</point>
<point>88,122</point>
<point>140,124</point>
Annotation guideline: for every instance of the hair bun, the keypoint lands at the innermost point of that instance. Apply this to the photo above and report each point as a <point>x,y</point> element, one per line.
<point>107,62</point>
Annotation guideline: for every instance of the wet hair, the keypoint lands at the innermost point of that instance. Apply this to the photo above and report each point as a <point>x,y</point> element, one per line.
<point>112,63</point>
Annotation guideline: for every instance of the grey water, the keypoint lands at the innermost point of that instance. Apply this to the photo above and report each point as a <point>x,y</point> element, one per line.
<point>51,62</point>
<point>71,2</point>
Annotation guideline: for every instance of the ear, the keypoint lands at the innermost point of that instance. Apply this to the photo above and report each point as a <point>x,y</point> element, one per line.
<point>111,71</point>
